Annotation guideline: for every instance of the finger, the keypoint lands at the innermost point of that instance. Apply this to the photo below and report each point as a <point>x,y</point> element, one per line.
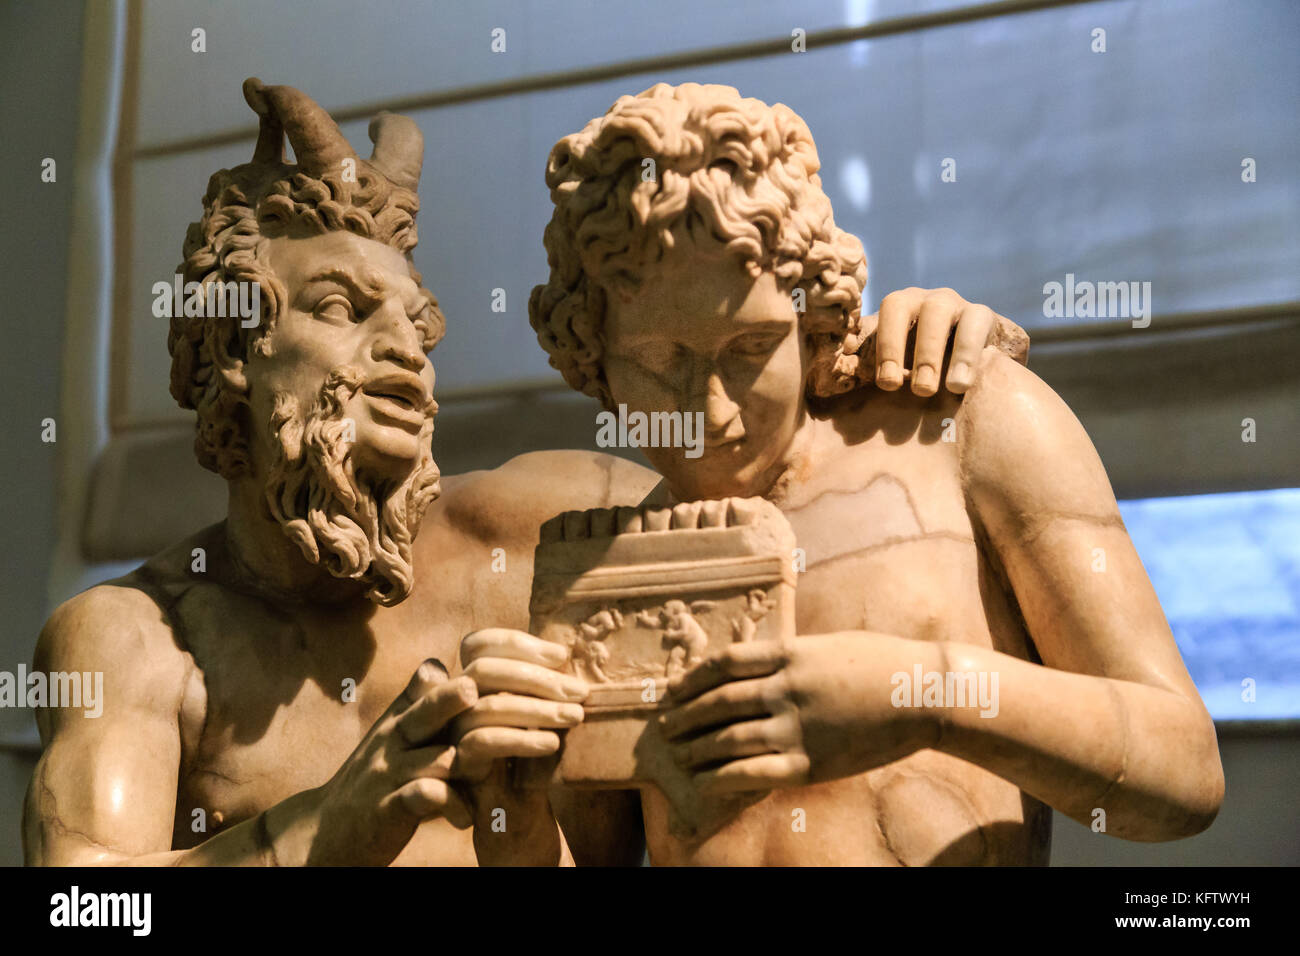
<point>739,700</point>
<point>938,313</point>
<point>480,747</point>
<point>427,676</point>
<point>737,662</point>
<point>513,710</point>
<point>897,311</point>
<point>494,674</point>
<point>426,797</point>
<point>976,326</point>
<point>869,325</point>
<point>512,644</point>
<point>747,739</point>
<point>755,773</point>
<point>435,761</point>
<point>430,714</point>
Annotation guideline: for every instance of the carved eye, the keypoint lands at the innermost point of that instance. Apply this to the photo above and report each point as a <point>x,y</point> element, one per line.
<point>335,308</point>
<point>756,343</point>
<point>420,319</point>
<point>657,356</point>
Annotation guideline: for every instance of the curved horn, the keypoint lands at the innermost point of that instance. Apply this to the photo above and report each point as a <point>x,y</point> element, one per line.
<point>270,134</point>
<point>399,149</point>
<point>317,140</point>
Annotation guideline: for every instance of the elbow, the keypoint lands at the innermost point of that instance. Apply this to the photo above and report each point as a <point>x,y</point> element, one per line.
<point>1179,794</point>
<point>1201,804</point>
<point>1195,804</point>
<point>1204,786</point>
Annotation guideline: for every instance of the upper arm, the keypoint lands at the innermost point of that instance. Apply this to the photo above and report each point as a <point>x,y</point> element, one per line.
<point>508,505</point>
<point>1038,488</point>
<point>105,786</point>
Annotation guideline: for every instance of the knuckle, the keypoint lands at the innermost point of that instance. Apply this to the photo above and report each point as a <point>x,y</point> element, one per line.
<point>735,734</point>
<point>776,689</point>
<point>465,690</point>
<point>477,644</point>
<point>430,789</point>
<point>471,741</point>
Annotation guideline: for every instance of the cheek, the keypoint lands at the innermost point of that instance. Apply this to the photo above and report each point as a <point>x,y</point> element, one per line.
<point>778,387</point>
<point>635,388</point>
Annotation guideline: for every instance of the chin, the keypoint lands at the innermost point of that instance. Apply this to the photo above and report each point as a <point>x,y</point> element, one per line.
<point>392,454</point>
<point>691,484</point>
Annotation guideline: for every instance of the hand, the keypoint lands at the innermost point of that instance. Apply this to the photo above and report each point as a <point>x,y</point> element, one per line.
<point>768,714</point>
<point>933,313</point>
<point>395,779</point>
<point>524,701</point>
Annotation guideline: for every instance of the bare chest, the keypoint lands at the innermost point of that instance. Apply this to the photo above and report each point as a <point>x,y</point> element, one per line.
<point>281,699</point>
<point>886,544</point>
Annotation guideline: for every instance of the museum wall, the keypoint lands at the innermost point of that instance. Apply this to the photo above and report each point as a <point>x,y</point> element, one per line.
<point>1110,166</point>
<point>41,67</point>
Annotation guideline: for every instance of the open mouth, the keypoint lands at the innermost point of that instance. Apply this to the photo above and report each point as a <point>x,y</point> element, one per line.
<point>395,397</point>
<point>402,397</point>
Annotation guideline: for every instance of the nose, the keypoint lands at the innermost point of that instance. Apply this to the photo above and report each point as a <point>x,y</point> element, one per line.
<point>721,414</point>
<point>410,359</point>
<point>397,340</point>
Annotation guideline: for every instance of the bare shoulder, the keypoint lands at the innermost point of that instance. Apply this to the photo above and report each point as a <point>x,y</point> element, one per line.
<point>1021,447</point>
<point>107,622</point>
<point>528,489</point>
<point>116,630</point>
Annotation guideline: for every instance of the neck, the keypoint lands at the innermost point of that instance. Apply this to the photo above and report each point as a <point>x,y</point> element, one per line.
<point>266,561</point>
<point>793,463</point>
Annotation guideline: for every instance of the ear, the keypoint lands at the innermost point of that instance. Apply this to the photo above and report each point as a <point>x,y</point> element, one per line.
<point>226,361</point>
<point>236,383</point>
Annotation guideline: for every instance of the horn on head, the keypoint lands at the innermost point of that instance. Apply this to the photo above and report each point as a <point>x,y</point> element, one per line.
<point>399,149</point>
<point>270,134</point>
<point>316,139</point>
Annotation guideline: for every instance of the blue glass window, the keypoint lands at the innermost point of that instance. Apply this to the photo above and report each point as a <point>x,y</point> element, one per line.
<point>1227,570</point>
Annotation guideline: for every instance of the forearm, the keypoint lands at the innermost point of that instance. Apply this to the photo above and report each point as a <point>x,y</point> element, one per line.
<point>1146,756</point>
<point>520,836</point>
<point>279,836</point>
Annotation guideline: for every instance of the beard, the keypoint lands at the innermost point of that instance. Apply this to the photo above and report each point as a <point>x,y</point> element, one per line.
<point>353,528</point>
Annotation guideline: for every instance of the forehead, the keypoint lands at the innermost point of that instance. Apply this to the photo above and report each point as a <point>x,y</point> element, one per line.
<point>295,260</point>
<point>693,294</point>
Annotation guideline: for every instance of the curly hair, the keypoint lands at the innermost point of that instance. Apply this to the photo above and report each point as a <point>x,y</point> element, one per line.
<point>732,169</point>
<point>242,209</point>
